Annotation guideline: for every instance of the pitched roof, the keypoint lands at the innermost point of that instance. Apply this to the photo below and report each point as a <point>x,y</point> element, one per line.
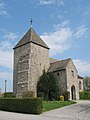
<point>80,77</point>
<point>59,65</point>
<point>51,60</point>
<point>31,36</point>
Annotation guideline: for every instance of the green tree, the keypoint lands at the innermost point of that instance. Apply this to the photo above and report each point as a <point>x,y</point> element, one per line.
<point>42,87</point>
<point>86,83</point>
<point>48,87</point>
<point>53,88</point>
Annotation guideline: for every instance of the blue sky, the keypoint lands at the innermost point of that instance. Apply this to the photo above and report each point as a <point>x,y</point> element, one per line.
<point>63,24</point>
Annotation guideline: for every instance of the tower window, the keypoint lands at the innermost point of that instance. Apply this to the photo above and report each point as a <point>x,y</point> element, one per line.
<point>72,73</point>
<point>79,85</point>
<point>58,73</point>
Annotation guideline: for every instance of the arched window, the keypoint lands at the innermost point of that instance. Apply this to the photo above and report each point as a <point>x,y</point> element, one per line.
<point>80,85</point>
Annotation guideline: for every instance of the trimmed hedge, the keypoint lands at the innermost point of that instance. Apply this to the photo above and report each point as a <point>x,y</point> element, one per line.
<point>84,95</point>
<point>29,106</point>
<point>8,95</point>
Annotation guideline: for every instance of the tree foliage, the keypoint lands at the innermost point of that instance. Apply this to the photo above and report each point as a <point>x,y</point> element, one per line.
<point>47,87</point>
<point>86,83</point>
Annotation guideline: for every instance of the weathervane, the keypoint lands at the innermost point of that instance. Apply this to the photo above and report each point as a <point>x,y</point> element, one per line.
<point>31,22</point>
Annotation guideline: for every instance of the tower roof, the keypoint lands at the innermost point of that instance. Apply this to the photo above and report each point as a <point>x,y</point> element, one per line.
<point>32,37</point>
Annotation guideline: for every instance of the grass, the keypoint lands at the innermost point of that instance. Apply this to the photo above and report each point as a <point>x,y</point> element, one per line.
<point>50,105</point>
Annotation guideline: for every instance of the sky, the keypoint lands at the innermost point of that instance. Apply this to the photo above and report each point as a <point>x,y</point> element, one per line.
<point>63,24</point>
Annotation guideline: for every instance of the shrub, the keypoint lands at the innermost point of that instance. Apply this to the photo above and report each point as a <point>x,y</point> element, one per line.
<point>84,95</point>
<point>8,95</point>
<point>40,94</point>
<point>1,95</point>
<point>28,94</point>
<point>61,98</point>
<point>66,95</point>
<point>32,106</point>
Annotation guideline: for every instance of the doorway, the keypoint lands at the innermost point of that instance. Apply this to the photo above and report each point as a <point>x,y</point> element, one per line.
<point>73,92</point>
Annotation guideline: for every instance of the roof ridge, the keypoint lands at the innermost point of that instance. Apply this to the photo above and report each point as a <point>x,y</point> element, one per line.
<point>59,65</point>
<point>60,60</point>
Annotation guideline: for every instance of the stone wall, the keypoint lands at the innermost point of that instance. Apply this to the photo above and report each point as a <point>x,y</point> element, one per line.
<point>81,88</point>
<point>21,67</point>
<point>39,60</point>
<point>29,62</point>
<point>72,79</point>
<point>62,82</point>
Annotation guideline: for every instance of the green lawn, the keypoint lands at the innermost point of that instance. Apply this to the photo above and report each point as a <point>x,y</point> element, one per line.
<point>49,105</point>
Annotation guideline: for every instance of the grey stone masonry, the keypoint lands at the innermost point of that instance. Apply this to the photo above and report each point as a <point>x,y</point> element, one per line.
<point>72,79</point>
<point>39,60</point>
<point>21,69</point>
<point>30,59</point>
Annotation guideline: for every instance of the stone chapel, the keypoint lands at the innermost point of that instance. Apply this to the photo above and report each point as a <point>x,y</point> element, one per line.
<point>31,57</point>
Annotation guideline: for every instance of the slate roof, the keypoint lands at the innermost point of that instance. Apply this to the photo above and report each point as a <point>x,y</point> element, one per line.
<point>59,65</point>
<point>31,36</point>
<point>80,77</point>
<point>51,60</point>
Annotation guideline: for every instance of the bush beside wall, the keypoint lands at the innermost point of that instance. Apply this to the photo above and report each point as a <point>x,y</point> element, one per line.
<point>84,95</point>
<point>66,95</point>
<point>8,95</point>
<point>30,106</point>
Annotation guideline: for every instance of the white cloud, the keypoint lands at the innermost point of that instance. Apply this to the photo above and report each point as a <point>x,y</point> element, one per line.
<point>6,75</point>
<point>6,59</point>
<point>83,67</point>
<point>62,38</point>
<point>81,31</point>
<point>49,2</point>
<point>58,41</point>
<point>45,2</point>
<point>63,24</point>
<point>3,9</point>
<point>6,46</point>
<point>6,49</point>
<point>10,36</point>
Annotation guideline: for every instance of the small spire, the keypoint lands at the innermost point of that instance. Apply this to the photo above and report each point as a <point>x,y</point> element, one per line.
<point>31,23</point>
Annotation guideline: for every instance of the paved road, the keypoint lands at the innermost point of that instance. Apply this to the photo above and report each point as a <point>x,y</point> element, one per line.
<point>79,111</point>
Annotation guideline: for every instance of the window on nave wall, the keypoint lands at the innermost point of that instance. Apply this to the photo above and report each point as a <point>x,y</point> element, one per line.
<point>80,85</point>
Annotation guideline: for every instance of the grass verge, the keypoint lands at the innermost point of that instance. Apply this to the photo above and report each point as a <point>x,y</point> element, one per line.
<point>50,105</point>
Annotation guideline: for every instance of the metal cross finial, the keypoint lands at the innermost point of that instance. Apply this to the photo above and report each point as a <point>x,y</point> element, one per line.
<point>31,22</point>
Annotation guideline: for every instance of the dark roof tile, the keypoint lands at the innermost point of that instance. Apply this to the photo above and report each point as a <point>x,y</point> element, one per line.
<point>31,36</point>
<point>59,65</point>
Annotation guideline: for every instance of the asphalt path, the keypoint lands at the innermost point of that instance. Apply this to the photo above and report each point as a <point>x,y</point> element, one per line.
<point>79,111</point>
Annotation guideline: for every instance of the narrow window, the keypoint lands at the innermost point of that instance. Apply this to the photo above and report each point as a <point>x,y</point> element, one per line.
<point>79,85</point>
<point>58,73</point>
<point>72,73</point>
